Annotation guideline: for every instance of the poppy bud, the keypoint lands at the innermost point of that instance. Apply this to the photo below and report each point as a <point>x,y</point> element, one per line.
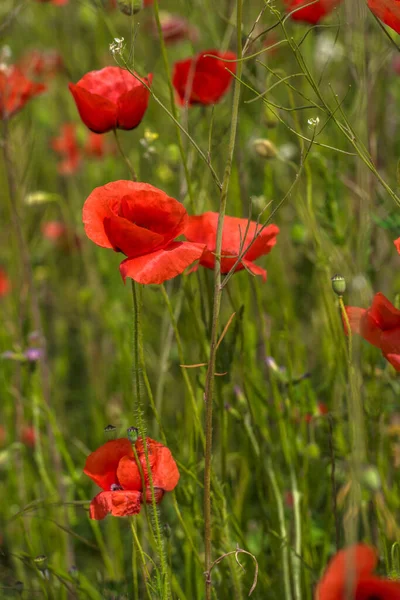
<point>73,571</point>
<point>133,434</point>
<point>167,531</point>
<point>19,587</point>
<point>109,430</point>
<point>130,7</point>
<point>265,148</point>
<point>338,284</point>
<point>371,479</point>
<point>41,562</point>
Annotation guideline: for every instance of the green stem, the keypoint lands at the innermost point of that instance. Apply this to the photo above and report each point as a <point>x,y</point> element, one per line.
<point>209,388</point>
<point>173,104</point>
<point>136,543</point>
<point>138,370</point>
<point>126,159</point>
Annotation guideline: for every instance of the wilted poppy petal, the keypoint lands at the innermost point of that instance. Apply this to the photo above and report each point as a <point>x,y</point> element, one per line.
<point>384,313</point>
<point>132,105</point>
<point>161,265</point>
<point>102,464</point>
<point>98,113</point>
<point>120,504</point>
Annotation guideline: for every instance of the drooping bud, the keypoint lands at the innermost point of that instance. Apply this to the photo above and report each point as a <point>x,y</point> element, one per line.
<point>265,148</point>
<point>338,284</point>
<point>41,562</point>
<point>133,434</point>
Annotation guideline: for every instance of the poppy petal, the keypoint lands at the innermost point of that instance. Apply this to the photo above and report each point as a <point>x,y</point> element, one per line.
<point>255,269</point>
<point>101,466</point>
<point>128,238</point>
<point>384,313</point>
<point>377,589</point>
<point>397,244</point>
<point>161,265</point>
<point>264,243</point>
<point>361,323</point>
<point>394,360</point>
<point>359,558</point>
<point>165,472</point>
<point>128,474</point>
<point>120,504</point>
<point>133,104</point>
<point>388,11</point>
<point>98,113</point>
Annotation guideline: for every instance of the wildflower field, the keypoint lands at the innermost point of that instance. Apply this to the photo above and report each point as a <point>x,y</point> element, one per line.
<point>200,299</point>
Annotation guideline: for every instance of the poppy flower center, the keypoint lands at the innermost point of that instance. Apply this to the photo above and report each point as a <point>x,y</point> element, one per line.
<point>115,487</point>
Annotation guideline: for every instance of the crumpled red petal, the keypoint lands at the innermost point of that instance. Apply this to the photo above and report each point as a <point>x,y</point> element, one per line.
<point>120,504</point>
<point>164,264</point>
<point>101,466</point>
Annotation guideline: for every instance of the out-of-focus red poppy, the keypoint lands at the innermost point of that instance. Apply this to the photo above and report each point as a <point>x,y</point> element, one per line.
<point>97,145</point>
<point>3,435</point>
<point>175,29</point>
<point>60,235</point>
<point>237,234</point>
<point>355,565</point>
<point>397,242</point>
<point>142,222</point>
<point>322,410</point>
<point>37,63</point>
<point>203,79</point>
<point>314,12</point>
<point>379,325</point>
<point>67,146</point>
<point>111,98</point>
<point>27,436</point>
<point>113,467</point>
<point>15,90</point>
<point>388,11</point>
<point>55,2</point>
<point>5,285</point>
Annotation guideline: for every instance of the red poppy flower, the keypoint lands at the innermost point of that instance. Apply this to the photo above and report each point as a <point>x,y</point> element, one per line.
<point>313,13</point>
<point>15,90</point>
<point>60,236</point>
<point>111,98</point>
<point>27,436</point>
<point>203,229</point>
<point>40,64</point>
<point>379,325</point>
<point>355,564</point>
<point>397,242</point>
<point>175,29</point>
<point>388,11</point>
<point>203,79</point>
<point>67,146</point>
<point>141,221</point>
<point>5,285</point>
<point>113,467</point>
<point>95,145</point>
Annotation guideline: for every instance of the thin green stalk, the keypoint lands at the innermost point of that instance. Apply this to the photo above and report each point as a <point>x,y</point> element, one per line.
<point>138,369</point>
<point>173,104</point>
<point>296,556</point>
<point>124,156</point>
<point>282,529</point>
<point>145,571</point>
<point>209,388</point>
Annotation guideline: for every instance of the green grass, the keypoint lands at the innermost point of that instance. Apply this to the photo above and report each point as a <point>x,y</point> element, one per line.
<point>275,474</point>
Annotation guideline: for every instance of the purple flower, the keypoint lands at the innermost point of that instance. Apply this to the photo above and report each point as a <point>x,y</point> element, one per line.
<point>33,354</point>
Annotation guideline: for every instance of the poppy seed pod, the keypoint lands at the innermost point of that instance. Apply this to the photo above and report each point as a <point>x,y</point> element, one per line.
<point>130,7</point>
<point>265,148</point>
<point>338,284</point>
<point>133,434</point>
